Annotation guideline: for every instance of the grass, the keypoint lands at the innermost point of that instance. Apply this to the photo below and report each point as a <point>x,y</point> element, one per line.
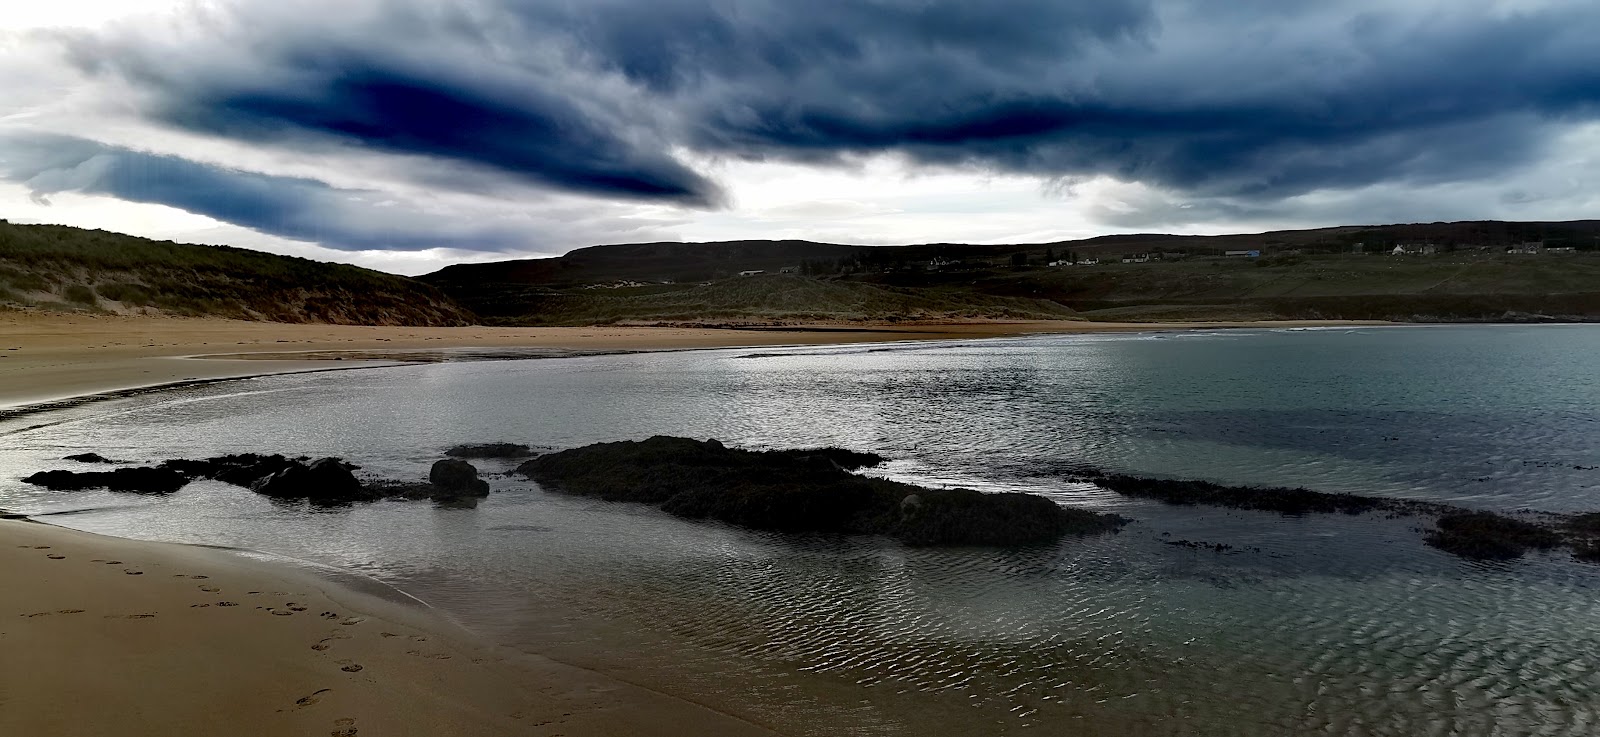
<point>767,298</point>
<point>85,269</point>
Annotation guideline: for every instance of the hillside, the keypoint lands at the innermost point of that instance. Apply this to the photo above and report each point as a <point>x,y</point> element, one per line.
<point>1459,272</point>
<point>70,269</point>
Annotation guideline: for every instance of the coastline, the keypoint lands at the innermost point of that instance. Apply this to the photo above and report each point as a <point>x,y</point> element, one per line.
<point>50,361</point>
<point>85,658</point>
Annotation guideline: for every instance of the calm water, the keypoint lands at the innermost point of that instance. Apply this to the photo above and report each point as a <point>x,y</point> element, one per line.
<point>1337,625</point>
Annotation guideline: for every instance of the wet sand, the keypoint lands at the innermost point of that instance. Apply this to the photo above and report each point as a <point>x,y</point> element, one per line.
<point>47,357</point>
<point>103,636</point>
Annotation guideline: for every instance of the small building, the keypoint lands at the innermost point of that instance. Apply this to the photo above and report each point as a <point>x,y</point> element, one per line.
<point>1561,249</point>
<point>789,270</point>
<point>938,263</point>
<point>1243,254</point>
<point>1089,262</point>
<point>753,272</point>
<point>1529,247</point>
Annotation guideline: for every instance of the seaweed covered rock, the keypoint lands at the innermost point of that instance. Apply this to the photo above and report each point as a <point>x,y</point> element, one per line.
<point>490,450</point>
<point>324,481</point>
<point>1283,500</point>
<point>457,478</point>
<point>133,480</point>
<point>1489,536</point>
<point>242,469</point>
<point>802,491</point>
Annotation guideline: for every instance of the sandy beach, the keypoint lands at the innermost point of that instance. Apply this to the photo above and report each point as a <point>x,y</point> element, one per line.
<point>49,357</point>
<point>104,636</point>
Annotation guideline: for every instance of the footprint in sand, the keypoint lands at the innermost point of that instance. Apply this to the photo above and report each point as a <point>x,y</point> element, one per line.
<point>185,575</point>
<point>280,612</point>
<point>69,611</point>
<point>113,562</point>
<point>349,666</point>
<point>315,696</point>
<point>37,614</point>
<point>227,603</point>
<point>132,572</point>
<point>210,589</point>
<point>293,607</point>
<point>130,616</point>
<point>352,620</point>
<point>41,547</point>
<point>430,656</point>
<point>53,556</point>
<point>198,606</point>
<point>329,615</point>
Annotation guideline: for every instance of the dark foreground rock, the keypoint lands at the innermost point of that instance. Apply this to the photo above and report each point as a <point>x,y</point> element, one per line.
<point>457,478</point>
<point>323,481</point>
<point>490,450</point>
<point>803,491</point>
<point>133,480</point>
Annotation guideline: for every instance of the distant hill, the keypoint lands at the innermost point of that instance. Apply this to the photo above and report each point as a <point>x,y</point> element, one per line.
<point>1342,272</point>
<point>61,268</point>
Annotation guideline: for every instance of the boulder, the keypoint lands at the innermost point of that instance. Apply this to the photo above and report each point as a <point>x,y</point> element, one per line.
<point>323,481</point>
<point>457,478</point>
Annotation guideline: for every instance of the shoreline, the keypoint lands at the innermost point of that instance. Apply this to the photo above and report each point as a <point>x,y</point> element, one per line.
<point>168,656</point>
<point>50,362</point>
<point>113,636</point>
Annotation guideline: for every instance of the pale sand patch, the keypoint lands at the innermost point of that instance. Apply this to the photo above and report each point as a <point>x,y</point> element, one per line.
<point>103,636</point>
<point>45,357</point>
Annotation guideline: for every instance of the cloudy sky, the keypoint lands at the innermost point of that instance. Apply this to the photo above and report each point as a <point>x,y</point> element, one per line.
<point>408,134</point>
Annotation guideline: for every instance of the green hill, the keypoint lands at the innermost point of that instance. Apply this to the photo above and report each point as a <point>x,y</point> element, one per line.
<point>1458,271</point>
<point>70,269</point>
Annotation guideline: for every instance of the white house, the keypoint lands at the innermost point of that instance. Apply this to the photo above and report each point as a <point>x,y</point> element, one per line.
<point>752,272</point>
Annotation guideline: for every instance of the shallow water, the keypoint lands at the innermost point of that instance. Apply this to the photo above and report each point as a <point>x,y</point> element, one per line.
<point>1332,625</point>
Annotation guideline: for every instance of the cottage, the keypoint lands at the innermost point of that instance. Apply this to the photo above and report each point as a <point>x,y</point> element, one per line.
<point>1243,254</point>
<point>752,272</point>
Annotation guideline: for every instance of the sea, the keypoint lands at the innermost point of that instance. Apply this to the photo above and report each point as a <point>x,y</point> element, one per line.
<point>1301,625</point>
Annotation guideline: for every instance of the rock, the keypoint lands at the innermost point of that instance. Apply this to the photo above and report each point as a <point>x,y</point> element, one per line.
<point>490,450</point>
<point>803,491</point>
<point>133,480</point>
<point>89,458</point>
<point>323,481</point>
<point>457,478</point>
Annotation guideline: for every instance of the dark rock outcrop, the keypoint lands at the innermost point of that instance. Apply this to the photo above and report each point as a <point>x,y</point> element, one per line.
<point>243,469</point>
<point>490,450</point>
<point>457,478</point>
<point>1489,536</point>
<point>133,480</point>
<point>803,491</point>
<point>323,481</point>
<point>89,458</point>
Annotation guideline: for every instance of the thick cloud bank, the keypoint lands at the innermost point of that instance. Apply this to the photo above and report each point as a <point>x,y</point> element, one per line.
<point>1241,104</point>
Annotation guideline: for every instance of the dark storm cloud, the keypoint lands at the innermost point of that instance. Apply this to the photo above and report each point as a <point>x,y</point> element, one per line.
<point>296,208</point>
<point>1210,98</point>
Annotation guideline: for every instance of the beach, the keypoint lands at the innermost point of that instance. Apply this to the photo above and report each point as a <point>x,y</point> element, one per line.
<point>51,357</point>
<point>117,637</point>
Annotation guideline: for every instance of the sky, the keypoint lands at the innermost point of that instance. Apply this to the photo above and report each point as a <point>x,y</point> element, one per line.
<point>406,135</point>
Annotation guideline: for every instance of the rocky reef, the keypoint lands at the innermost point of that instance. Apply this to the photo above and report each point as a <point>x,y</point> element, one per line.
<point>322,482</point>
<point>803,491</point>
<point>1464,532</point>
<point>490,450</point>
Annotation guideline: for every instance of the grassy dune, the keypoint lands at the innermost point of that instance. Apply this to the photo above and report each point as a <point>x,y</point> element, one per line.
<point>69,269</point>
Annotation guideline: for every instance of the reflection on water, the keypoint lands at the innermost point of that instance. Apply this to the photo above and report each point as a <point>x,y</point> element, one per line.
<point>1327,625</point>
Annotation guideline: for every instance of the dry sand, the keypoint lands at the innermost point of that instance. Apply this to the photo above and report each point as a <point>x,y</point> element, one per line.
<point>101,636</point>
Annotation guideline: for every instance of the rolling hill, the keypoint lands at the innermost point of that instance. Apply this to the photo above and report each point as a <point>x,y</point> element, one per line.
<point>54,267</point>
